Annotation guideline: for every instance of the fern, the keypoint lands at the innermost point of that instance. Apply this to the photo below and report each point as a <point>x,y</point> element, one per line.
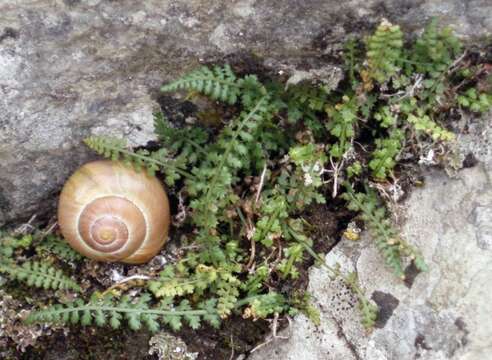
<point>59,247</point>
<point>187,143</point>
<point>423,123</point>
<point>219,83</point>
<point>476,102</point>
<point>341,124</point>
<point>385,117</point>
<point>388,241</point>
<point>384,51</point>
<point>116,149</point>
<point>213,191</point>
<point>38,274</point>
<point>435,50</point>
<point>261,306</point>
<point>10,243</point>
<point>245,185</point>
<point>137,313</point>
<point>384,157</point>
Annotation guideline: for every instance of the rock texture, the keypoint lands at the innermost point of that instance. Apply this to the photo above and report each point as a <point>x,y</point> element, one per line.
<point>438,315</point>
<point>75,67</point>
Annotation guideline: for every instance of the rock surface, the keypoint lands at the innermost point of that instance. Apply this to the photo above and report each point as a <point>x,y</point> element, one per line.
<point>438,315</point>
<point>75,67</point>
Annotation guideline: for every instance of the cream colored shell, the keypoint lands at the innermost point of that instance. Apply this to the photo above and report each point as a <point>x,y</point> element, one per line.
<point>109,212</point>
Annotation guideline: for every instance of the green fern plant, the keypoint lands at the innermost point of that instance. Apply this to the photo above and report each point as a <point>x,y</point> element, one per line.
<point>53,244</point>
<point>245,186</point>
<point>38,274</point>
<point>423,124</point>
<point>392,247</point>
<point>220,83</point>
<point>117,149</point>
<point>137,312</point>
<point>435,50</point>
<point>475,101</point>
<point>384,51</point>
<point>384,157</point>
<point>343,119</point>
<point>10,243</point>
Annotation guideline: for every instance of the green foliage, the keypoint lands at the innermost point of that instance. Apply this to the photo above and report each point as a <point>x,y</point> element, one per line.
<point>384,51</point>
<point>385,117</point>
<point>38,274</point>
<point>343,118</point>
<point>136,312</point>
<point>384,158</point>
<point>116,150</point>
<point>435,50</point>
<point>476,102</point>
<point>424,124</point>
<point>218,83</point>
<point>188,142</point>
<point>387,238</point>
<point>10,243</point>
<point>53,244</point>
<point>262,306</point>
<point>245,186</point>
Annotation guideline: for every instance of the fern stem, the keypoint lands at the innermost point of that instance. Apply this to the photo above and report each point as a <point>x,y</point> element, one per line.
<point>125,310</point>
<point>170,87</point>
<point>151,160</point>
<point>196,146</point>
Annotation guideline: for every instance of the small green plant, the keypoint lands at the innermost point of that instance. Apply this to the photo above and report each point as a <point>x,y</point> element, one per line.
<point>40,274</point>
<point>103,310</point>
<point>387,238</point>
<point>57,246</point>
<point>384,51</point>
<point>476,102</point>
<point>246,186</point>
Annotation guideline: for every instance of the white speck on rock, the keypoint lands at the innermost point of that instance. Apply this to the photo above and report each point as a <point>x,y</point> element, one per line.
<point>139,17</point>
<point>244,8</point>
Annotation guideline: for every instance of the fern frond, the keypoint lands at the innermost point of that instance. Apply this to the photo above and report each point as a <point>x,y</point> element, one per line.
<point>387,239</point>
<point>261,306</point>
<point>384,50</point>
<point>384,156</point>
<point>424,124</point>
<point>228,294</point>
<point>435,50</point>
<point>342,123</point>
<point>217,174</point>
<point>10,243</point>
<point>59,247</point>
<point>116,150</point>
<point>39,274</point>
<point>136,312</point>
<point>219,83</point>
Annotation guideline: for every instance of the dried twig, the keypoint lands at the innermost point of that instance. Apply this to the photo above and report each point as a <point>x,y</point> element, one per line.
<point>260,186</point>
<point>273,335</point>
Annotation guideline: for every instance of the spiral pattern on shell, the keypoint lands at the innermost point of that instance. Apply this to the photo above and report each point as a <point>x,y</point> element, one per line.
<point>109,212</point>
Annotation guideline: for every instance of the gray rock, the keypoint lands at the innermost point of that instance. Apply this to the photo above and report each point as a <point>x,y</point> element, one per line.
<point>441,314</point>
<point>72,68</point>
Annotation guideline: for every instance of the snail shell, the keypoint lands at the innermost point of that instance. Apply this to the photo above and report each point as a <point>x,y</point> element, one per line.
<point>110,212</point>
